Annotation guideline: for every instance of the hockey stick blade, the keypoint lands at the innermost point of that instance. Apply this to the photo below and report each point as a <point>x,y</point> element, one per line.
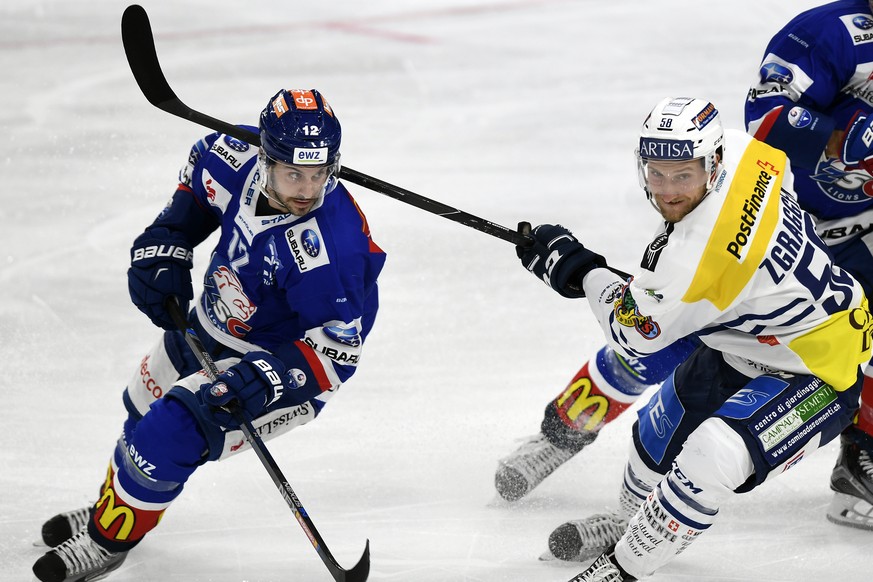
<point>139,46</point>
<point>361,570</point>
<point>142,56</point>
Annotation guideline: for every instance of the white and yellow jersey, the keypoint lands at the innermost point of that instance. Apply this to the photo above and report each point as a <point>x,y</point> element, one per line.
<point>746,273</point>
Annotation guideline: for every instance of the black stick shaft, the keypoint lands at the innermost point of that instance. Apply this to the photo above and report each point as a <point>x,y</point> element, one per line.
<point>361,570</point>
<point>139,46</point>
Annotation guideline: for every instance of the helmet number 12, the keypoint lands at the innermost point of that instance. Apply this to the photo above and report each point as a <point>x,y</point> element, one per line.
<point>311,130</point>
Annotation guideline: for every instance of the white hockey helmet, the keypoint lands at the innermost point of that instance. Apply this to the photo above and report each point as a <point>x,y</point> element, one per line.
<point>682,128</point>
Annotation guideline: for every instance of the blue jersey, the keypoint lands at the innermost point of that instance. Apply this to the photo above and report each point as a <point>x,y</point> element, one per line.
<point>303,288</point>
<point>815,77</point>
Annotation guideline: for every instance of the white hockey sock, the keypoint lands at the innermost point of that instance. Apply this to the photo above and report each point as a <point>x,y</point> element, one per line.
<point>633,493</point>
<point>713,462</point>
<point>638,482</point>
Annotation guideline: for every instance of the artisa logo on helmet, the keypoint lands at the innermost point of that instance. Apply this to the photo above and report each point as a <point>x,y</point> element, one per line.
<point>666,149</point>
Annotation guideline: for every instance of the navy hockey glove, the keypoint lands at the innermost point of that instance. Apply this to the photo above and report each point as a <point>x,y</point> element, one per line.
<point>557,258</point>
<point>160,266</point>
<point>253,384</point>
<point>857,147</point>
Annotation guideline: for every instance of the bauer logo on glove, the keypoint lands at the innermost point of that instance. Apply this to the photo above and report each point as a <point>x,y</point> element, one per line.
<point>252,385</point>
<point>160,268</point>
<point>165,251</point>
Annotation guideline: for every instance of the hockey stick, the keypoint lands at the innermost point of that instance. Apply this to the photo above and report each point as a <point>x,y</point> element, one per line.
<point>361,570</point>
<point>142,56</point>
<point>139,45</point>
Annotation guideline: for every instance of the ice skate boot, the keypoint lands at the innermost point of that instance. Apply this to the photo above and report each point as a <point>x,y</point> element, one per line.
<point>603,569</point>
<point>585,539</point>
<point>79,559</point>
<point>852,481</point>
<point>61,527</point>
<point>526,467</point>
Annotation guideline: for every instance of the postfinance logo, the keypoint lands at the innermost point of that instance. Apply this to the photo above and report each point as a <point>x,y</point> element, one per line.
<point>743,230</point>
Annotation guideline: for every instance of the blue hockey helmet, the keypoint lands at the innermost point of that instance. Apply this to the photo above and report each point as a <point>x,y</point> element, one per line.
<point>298,127</point>
<point>299,130</point>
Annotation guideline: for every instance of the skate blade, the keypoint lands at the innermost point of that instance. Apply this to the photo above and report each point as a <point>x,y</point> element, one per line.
<point>850,511</point>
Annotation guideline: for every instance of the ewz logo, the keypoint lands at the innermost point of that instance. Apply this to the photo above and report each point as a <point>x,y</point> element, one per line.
<point>310,156</point>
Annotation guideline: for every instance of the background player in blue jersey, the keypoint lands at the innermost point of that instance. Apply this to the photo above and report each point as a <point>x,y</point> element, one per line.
<point>288,299</point>
<point>813,100</point>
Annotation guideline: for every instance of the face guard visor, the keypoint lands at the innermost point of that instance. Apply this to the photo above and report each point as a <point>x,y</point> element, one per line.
<point>296,188</point>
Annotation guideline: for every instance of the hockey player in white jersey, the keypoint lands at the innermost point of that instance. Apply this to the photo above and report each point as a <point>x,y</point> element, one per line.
<point>783,333</point>
<point>811,99</point>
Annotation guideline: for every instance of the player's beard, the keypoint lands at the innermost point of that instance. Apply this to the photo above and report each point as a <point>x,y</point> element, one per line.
<point>676,212</point>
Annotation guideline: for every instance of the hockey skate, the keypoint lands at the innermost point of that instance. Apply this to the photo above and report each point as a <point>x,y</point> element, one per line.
<point>525,468</point>
<point>603,569</point>
<point>79,559</point>
<point>852,481</point>
<point>585,539</point>
<point>61,527</point>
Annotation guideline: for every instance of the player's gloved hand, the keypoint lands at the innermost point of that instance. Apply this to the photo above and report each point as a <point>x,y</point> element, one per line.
<point>857,146</point>
<point>557,258</point>
<point>252,385</point>
<point>160,266</point>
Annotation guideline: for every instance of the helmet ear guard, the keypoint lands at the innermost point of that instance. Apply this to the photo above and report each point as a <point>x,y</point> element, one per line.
<point>682,128</point>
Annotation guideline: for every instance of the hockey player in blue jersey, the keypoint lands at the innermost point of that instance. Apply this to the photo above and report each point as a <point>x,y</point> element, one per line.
<point>813,99</point>
<point>784,332</point>
<point>289,297</point>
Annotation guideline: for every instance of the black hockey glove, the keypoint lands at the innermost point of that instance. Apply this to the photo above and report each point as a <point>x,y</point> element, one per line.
<point>160,266</point>
<point>557,258</point>
<point>252,384</point>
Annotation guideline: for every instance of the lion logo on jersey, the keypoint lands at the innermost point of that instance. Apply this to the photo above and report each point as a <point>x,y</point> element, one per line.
<point>232,306</point>
<point>842,183</point>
